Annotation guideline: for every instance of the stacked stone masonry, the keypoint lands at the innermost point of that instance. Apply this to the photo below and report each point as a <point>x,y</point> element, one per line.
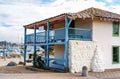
<point>84,53</point>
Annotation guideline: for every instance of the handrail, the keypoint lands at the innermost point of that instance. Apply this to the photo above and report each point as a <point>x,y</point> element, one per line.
<point>59,28</point>
<point>80,34</point>
<point>58,34</point>
<point>81,29</point>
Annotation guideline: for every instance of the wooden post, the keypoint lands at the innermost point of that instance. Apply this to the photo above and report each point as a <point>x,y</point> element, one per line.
<point>47,48</point>
<point>67,23</point>
<point>34,57</point>
<point>25,46</point>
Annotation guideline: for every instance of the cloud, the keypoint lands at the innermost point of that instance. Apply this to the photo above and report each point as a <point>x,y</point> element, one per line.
<point>110,1</point>
<point>5,24</point>
<point>12,34</point>
<point>16,13</point>
<point>25,1</point>
<point>115,8</point>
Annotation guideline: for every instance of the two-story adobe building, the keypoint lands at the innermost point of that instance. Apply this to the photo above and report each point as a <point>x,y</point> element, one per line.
<point>86,38</point>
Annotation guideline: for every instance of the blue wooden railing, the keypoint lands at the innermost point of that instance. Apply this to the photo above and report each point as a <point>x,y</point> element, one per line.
<point>41,36</point>
<point>59,34</point>
<point>80,34</point>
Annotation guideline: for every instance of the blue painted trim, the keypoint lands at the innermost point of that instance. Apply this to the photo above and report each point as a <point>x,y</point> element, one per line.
<point>34,45</point>
<point>41,44</point>
<point>25,31</point>
<point>47,47</point>
<point>66,43</point>
<point>34,38</point>
<point>54,43</point>
<point>57,59</point>
<point>67,23</point>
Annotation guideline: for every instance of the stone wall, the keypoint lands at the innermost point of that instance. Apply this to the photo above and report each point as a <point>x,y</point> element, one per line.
<point>84,53</point>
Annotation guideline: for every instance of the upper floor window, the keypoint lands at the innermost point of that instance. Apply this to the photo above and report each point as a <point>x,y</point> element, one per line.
<point>116,28</point>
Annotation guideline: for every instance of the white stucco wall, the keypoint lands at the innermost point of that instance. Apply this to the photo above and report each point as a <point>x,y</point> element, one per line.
<point>102,34</point>
<point>84,53</point>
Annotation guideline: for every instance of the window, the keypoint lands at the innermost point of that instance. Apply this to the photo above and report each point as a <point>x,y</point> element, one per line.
<point>115,28</point>
<point>115,55</point>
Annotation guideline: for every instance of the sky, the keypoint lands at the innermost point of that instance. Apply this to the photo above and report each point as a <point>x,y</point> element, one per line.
<point>16,13</point>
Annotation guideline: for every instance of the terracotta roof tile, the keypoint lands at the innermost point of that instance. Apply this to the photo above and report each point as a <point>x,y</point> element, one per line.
<point>88,13</point>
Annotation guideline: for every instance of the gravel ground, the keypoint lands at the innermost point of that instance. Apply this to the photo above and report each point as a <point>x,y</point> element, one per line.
<point>20,72</point>
<point>15,69</point>
<point>16,60</point>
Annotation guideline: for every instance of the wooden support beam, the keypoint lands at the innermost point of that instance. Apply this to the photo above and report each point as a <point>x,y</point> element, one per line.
<point>67,23</point>
<point>25,46</point>
<point>47,47</point>
<point>34,56</point>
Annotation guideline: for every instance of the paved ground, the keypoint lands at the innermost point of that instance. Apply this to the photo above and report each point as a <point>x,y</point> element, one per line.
<point>108,74</point>
<point>48,76</point>
<point>43,76</point>
<point>20,72</point>
<point>112,78</point>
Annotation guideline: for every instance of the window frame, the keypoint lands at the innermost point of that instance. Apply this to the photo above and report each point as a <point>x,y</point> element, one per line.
<point>118,55</point>
<point>116,35</point>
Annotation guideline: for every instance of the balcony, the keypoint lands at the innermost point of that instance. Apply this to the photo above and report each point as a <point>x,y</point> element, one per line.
<point>80,34</point>
<point>58,35</point>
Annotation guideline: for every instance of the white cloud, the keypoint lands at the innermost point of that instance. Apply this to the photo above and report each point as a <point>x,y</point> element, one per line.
<point>115,8</point>
<point>12,34</point>
<point>110,1</point>
<point>24,12</point>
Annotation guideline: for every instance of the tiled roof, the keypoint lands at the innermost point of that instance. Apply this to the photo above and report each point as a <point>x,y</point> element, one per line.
<point>95,12</point>
<point>88,13</point>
